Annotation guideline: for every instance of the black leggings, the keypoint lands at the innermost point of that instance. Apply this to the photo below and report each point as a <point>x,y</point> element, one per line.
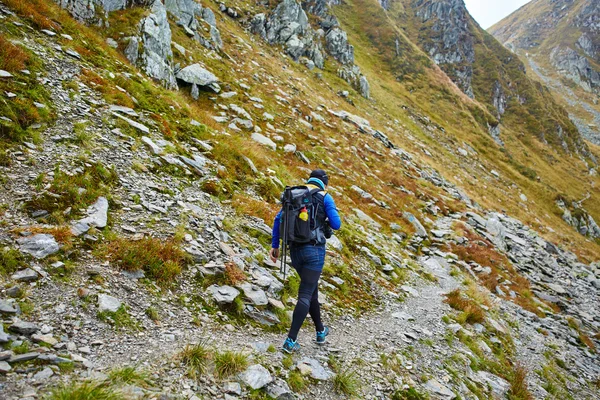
<point>308,292</point>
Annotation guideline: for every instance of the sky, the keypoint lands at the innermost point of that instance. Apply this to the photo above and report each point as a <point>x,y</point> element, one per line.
<point>488,12</point>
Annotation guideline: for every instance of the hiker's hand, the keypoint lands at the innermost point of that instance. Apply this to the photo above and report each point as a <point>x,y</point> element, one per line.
<point>274,254</point>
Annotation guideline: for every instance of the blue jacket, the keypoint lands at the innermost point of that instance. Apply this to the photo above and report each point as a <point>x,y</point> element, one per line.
<point>330,210</point>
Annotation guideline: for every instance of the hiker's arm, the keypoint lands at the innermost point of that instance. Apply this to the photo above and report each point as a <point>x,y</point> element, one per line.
<point>332,213</point>
<point>275,233</point>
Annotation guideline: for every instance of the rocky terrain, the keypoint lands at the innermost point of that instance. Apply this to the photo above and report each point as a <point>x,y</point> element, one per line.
<point>562,38</point>
<point>143,150</point>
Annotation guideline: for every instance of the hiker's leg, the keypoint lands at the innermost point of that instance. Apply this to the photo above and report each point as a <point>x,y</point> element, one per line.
<point>309,279</point>
<point>315,310</point>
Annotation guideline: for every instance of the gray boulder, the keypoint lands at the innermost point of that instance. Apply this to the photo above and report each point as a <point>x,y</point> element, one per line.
<point>255,294</point>
<point>156,53</point>
<point>23,327</point>
<point>39,246</point>
<point>185,11</point>
<point>280,390</point>
<point>97,217</point>
<point>108,303</point>
<point>256,377</point>
<point>223,294</point>
<point>419,228</point>
<point>7,308</point>
<point>440,391</point>
<point>499,385</point>
<point>310,366</point>
<point>196,74</point>
<point>25,275</point>
<point>336,43</point>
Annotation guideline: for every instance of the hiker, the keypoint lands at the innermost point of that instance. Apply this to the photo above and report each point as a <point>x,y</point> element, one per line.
<point>308,257</point>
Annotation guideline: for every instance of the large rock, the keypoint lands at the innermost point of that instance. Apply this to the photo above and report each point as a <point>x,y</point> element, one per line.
<point>87,10</point>
<point>256,377</point>
<point>185,11</point>
<point>280,390</point>
<point>97,217</point>
<point>152,50</point>
<point>310,366</point>
<point>223,294</point>
<point>7,308</point>
<point>23,327</point>
<point>255,294</point>
<point>338,46</point>
<point>419,228</point>
<point>39,246</point>
<point>108,303</point>
<point>196,74</point>
<point>25,275</point>
<point>499,386</point>
<point>440,391</point>
<point>265,141</point>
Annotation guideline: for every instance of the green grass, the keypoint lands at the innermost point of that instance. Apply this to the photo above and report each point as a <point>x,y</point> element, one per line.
<point>287,361</point>
<point>22,348</point>
<point>10,261</point>
<point>409,394</point>
<point>77,191</point>
<point>230,362</point>
<point>152,313</point>
<point>346,382</point>
<point>129,375</point>
<point>197,359</point>
<point>297,382</point>
<point>120,319</point>
<point>84,391</point>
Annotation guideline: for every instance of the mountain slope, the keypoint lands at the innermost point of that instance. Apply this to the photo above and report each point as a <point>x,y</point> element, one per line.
<point>559,40</point>
<point>142,157</point>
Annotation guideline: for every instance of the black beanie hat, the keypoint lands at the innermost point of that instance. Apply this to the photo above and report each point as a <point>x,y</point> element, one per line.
<point>321,175</point>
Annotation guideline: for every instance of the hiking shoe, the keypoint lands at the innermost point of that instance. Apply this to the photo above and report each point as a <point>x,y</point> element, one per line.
<point>321,335</point>
<point>290,346</point>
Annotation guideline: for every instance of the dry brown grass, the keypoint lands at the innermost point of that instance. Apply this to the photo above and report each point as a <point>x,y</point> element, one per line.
<point>233,274</point>
<point>518,384</point>
<point>12,57</point>
<point>36,11</point>
<point>471,311</point>
<point>107,88</point>
<point>62,234</point>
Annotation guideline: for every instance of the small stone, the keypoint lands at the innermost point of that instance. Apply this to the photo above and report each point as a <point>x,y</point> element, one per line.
<point>255,294</point>
<point>265,141</point>
<point>6,307</point>
<point>5,74</point>
<point>17,358</point>
<point>223,294</point>
<point>310,366</point>
<point>48,339</point>
<point>233,388</point>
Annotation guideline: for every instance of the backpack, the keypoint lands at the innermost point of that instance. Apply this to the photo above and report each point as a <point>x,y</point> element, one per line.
<point>302,215</point>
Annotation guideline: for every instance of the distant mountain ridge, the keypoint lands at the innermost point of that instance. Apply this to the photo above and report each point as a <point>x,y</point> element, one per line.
<point>562,37</point>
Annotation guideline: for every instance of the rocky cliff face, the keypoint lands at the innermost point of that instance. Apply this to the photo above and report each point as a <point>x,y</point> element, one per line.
<point>448,39</point>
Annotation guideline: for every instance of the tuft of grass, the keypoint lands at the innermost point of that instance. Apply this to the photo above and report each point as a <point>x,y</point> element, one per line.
<point>346,382</point>
<point>152,313</point>
<point>10,261</point>
<point>287,361</point>
<point>22,348</point>
<point>84,391</point>
<point>233,274</point>
<point>297,381</point>
<point>120,319</point>
<point>471,311</point>
<point>128,375</point>
<point>409,394</point>
<point>230,362</point>
<point>197,359</point>
<point>518,384</point>
<point>161,260</point>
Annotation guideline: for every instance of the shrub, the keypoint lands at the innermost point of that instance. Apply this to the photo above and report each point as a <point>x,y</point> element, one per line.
<point>233,274</point>
<point>230,362</point>
<point>161,260</point>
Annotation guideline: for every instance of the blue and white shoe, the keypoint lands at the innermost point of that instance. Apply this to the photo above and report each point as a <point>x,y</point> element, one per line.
<point>290,346</point>
<point>322,335</point>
